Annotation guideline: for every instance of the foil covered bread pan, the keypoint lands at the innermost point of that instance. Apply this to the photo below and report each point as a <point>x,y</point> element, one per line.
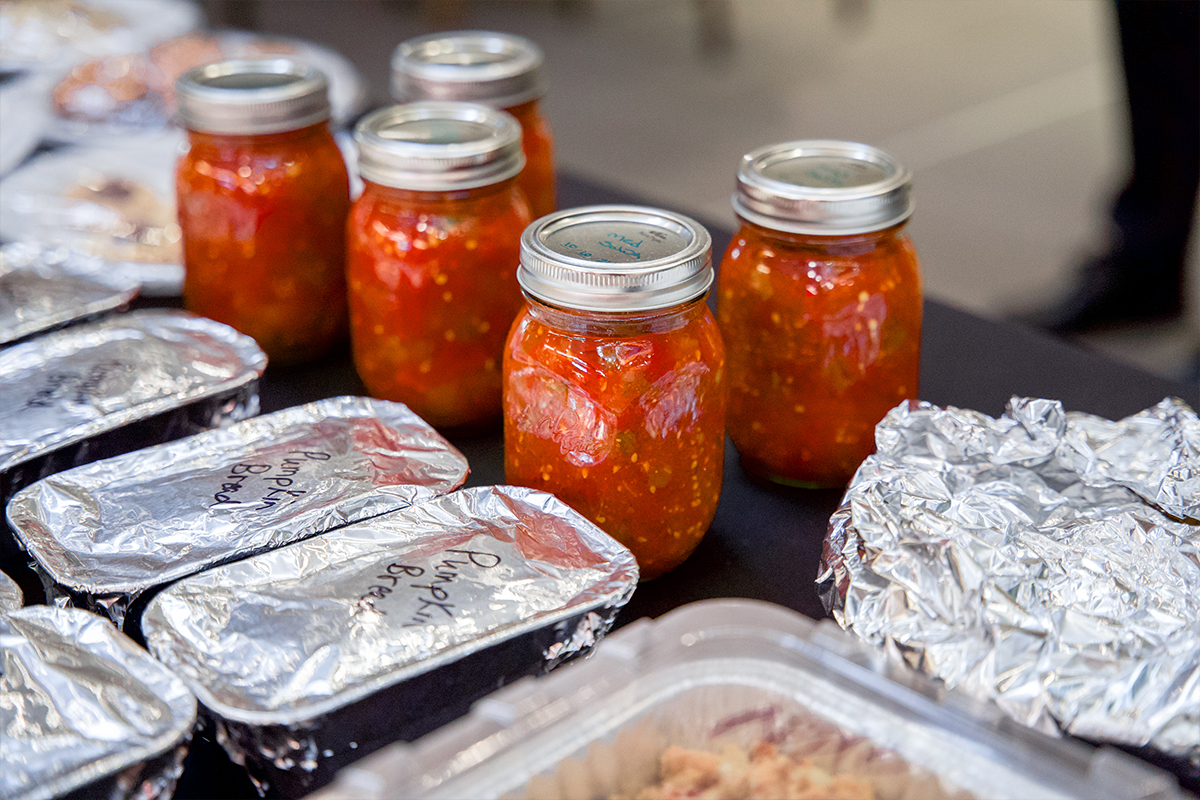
<point>11,597</point>
<point>312,655</point>
<point>1047,560</point>
<point>43,289</point>
<point>103,534</point>
<point>107,387</point>
<point>739,699</point>
<point>84,712</point>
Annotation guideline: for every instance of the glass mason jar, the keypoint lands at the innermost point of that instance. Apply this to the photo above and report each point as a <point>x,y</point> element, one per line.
<point>432,250</point>
<point>614,384</point>
<point>263,196</point>
<point>819,300</point>
<point>497,69</point>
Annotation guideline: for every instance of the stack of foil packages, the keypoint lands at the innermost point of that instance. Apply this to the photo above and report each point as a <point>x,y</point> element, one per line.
<point>311,656</point>
<point>101,388</point>
<point>103,534</point>
<point>1047,560</point>
<point>330,590</point>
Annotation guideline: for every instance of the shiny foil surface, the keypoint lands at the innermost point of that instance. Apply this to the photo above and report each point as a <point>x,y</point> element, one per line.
<point>64,387</point>
<point>285,637</point>
<point>11,597</point>
<point>42,289</point>
<point>1048,560</point>
<point>104,532</point>
<point>82,706</point>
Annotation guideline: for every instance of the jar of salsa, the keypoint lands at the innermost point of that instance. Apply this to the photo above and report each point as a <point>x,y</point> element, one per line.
<point>614,377</point>
<point>496,69</point>
<point>263,196</point>
<point>432,250</point>
<point>819,299</point>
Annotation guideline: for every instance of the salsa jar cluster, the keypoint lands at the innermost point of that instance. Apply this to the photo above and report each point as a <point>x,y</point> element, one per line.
<point>432,250</point>
<point>496,69</point>
<point>263,195</point>
<point>819,300</point>
<point>614,377</point>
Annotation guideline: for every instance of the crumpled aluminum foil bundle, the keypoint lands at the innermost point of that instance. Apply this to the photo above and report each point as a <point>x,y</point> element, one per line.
<point>1049,561</point>
<point>83,708</point>
<point>46,288</point>
<point>314,654</point>
<point>103,533</point>
<point>11,597</point>
<point>61,392</point>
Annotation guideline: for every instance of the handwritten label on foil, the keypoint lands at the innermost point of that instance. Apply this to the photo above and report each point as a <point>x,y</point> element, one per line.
<point>266,485</point>
<point>433,596</point>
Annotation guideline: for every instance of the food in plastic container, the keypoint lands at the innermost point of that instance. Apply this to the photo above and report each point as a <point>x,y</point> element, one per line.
<point>749,676</point>
<point>134,92</point>
<point>115,203</point>
<point>313,654</point>
<point>104,534</point>
<point>85,712</point>
<point>53,34</point>
<point>42,289</point>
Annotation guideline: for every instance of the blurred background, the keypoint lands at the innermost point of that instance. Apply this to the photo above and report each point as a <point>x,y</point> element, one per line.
<point>1010,113</point>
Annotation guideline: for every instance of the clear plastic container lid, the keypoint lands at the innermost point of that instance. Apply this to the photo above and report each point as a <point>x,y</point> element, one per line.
<point>499,69</point>
<point>736,678</point>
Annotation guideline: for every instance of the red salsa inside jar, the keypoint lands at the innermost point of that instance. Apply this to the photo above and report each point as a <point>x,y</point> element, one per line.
<point>500,70</point>
<point>263,196</point>
<point>614,391</point>
<point>538,179</point>
<point>820,302</point>
<point>432,254</point>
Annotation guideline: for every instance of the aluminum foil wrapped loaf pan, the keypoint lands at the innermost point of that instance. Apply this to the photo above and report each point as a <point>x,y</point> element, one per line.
<point>84,712</point>
<point>11,597</point>
<point>42,289</point>
<point>1047,560</point>
<point>740,699</point>
<point>96,390</point>
<point>315,654</point>
<point>103,534</point>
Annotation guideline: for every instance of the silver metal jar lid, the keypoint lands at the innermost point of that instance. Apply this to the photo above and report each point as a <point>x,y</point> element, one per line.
<point>498,69</point>
<point>438,147</point>
<point>822,187</point>
<point>615,258</point>
<point>252,96</point>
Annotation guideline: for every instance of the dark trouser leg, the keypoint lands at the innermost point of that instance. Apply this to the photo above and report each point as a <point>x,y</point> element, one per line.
<point>1140,278</point>
<point>1160,50</point>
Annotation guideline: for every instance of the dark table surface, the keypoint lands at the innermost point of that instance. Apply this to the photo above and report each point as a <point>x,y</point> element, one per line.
<point>765,541</point>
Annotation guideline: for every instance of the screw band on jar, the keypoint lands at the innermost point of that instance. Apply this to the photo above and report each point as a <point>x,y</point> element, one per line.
<point>250,97</point>
<point>499,69</point>
<point>615,258</point>
<point>438,146</point>
<point>823,188</point>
